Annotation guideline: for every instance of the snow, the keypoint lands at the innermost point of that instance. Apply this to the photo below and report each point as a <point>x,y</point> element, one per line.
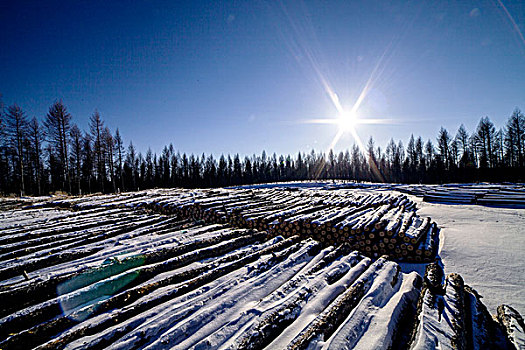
<point>486,246</point>
<point>317,304</point>
<point>518,335</point>
<point>515,327</point>
<point>283,291</point>
<point>437,320</point>
<point>185,320</point>
<point>371,325</point>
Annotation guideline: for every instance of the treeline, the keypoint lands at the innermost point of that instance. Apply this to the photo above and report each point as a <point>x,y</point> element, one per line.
<point>55,155</point>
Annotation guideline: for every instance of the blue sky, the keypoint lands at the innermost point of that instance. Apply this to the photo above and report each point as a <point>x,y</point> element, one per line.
<point>243,76</point>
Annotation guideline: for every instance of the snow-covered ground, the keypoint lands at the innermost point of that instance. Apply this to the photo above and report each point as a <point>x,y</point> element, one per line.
<point>486,245</point>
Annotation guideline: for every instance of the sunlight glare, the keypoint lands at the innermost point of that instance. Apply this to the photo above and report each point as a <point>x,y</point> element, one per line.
<point>347,121</point>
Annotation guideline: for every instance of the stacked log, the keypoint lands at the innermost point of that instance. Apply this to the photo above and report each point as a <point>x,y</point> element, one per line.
<point>468,324</point>
<point>171,282</point>
<point>375,223</point>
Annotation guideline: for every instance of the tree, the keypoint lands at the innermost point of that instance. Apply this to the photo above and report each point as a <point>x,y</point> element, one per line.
<point>119,148</point>
<point>210,172</point>
<point>36,136</point>
<point>411,152</point>
<point>16,130</point>
<point>454,153</point>
<point>149,173</point>
<point>87,163</point>
<point>462,137</point>
<point>222,171</point>
<point>331,164</point>
<point>131,166</point>
<point>300,167</point>
<point>185,170</point>
<point>356,163</point>
<point>281,171</point>
<point>4,154</point>
<point>484,142</point>
<point>429,152</point>
<point>443,140</point>
<point>109,153</point>
<point>76,155</point>
<point>421,169</point>
<point>96,126</point>
<point>57,123</point>
<point>195,171</point>
<point>237,170</point>
<point>373,170</point>
<point>248,171</point>
<point>515,139</point>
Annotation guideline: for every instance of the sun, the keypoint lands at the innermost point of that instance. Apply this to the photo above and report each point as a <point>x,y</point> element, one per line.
<point>347,121</point>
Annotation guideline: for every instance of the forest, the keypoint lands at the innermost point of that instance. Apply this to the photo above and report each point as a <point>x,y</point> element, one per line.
<point>56,156</point>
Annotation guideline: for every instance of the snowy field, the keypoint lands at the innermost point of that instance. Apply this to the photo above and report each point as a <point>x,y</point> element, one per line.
<point>486,245</point>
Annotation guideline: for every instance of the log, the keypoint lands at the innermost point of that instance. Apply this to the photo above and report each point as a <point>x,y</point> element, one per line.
<point>405,223</point>
<point>513,325</point>
<point>327,322</point>
<point>395,223</point>
<point>139,267</point>
<point>199,276</point>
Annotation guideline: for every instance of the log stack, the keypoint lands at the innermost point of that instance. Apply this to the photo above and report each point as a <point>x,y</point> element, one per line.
<point>143,279</point>
<point>375,223</point>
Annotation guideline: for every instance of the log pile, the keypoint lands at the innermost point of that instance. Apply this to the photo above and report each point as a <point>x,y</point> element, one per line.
<point>374,223</point>
<point>485,194</point>
<point>150,278</point>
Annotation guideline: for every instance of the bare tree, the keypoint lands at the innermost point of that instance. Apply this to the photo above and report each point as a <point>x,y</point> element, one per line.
<point>87,162</point>
<point>443,140</point>
<point>36,138</point>
<point>462,137</point>
<point>109,147</point>
<point>429,152</point>
<point>96,126</point>
<point>131,164</point>
<point>16,122</point>
<point>119,148</point>
<point>412,153</point>
<point>76,155</point>
<point>58,124</point>
<point>485,142</point>
<point>515,138</point>
<point>4,161</point>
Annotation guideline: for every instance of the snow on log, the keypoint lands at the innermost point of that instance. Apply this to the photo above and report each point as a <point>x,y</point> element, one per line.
<point>177,268</point>
<point>327,322</point>
<point>375,322</point>
<point>513,325</point>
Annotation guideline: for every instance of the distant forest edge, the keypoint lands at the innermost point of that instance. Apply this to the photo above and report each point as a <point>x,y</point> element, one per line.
<point>41,158</point>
